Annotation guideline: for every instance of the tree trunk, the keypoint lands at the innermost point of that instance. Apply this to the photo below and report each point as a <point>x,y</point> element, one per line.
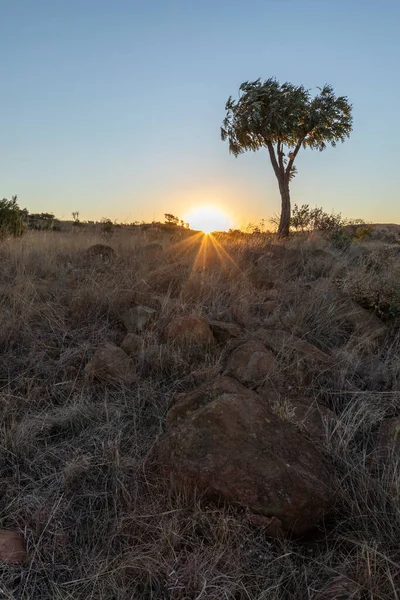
<point>284,223</point>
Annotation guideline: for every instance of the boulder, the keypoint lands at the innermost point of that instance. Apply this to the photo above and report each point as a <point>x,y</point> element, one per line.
<point>192,330</point>
<point>233,447</point>
<point>184,405</point>
<point>12,547</point>
<point>223,332</point>
<point>307,415</point>
<point>137,317</point>
<point>132,344</point>
<point>168,279</point>
<point>250,363</point>
<point>303,359</point>
<point>112,364</point>
<point>100,252</point>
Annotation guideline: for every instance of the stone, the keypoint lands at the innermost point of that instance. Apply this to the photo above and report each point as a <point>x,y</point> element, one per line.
<point>137,317</point>
<point>303,358</point>
<point>233,447</point>
<point>168,279</point>
<point>12,547</point>
<point>112,364</point>
<point>184,405</point>
<point>223,332</point>
<point>132,344</point>
<point>250,363</point>
<point>100,252</point>
<point>193,330</point>
<point>307,414</point>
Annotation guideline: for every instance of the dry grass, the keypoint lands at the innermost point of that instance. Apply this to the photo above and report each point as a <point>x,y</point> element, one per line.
<point>74,476</point>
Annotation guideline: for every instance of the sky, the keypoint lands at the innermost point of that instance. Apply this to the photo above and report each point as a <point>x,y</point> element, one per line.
<point>114,108</point>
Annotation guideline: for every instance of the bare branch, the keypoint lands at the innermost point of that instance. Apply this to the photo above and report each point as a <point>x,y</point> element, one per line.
<point>292,156</point>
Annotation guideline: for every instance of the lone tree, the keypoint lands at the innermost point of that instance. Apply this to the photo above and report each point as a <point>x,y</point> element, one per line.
<point>284,118</point>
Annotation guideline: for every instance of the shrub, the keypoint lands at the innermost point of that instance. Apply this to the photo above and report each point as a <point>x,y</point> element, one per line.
<point>362,233</point>
<point>11,222</point>
<point>107,227</point>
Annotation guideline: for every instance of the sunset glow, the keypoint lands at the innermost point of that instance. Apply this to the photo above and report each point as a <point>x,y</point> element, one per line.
<point>208,219</point>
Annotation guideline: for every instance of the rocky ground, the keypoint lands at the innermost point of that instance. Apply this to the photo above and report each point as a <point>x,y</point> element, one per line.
<point>199,419</point>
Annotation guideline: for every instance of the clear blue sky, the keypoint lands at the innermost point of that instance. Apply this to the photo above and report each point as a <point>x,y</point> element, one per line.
<point>113,108</point>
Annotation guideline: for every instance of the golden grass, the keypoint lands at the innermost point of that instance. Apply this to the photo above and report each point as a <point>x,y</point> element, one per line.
<point>73,453</point>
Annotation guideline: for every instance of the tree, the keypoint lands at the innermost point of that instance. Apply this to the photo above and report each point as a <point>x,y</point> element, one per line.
<point>171,219</point>
<point>10,218</point>
<point>283,119</point>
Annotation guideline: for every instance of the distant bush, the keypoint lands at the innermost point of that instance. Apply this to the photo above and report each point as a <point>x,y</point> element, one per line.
<point>107,227</point>
<point>363,233</point>
<point>11,222</point>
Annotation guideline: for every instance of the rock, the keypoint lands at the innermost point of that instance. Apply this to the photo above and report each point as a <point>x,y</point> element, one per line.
<point>235,448</point>
<point>223,332</point>
<point>168,279</point>
<point>306,414</point>
<point>112,364</point>
<point>388,441</point>
<point>186,404</point>
<point>12,547</point>
<point>132,344</point>
<point>100,252</point>
<point>303,358</point>
<point>193,330</point>
<point>250,363</point>
<point>137,317</point>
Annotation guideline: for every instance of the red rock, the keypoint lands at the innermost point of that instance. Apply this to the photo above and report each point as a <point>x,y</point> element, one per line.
<point>250,363</point>
<point>235,448</point>
<point>112,364</point>
<point>132,344</point>
<point>223,332</point>
<point>193,330</point>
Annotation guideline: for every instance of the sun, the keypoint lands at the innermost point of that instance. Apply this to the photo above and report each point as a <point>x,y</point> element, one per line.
<point>208,219</point>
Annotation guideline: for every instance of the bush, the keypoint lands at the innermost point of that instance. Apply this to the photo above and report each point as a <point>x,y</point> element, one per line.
<point>107,227</point>
<point>11,222</point>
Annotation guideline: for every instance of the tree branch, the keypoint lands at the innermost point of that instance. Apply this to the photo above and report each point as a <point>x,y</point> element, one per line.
<point>274,162</point>
<point>293,156</point>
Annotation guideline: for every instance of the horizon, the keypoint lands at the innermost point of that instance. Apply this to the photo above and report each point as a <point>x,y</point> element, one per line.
<point>114,111</point>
